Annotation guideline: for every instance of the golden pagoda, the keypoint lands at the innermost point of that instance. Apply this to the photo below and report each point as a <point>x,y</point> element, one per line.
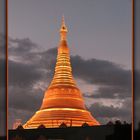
<point>63,102</point>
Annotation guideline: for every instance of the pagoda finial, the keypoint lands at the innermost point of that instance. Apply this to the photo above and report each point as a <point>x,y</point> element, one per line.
<point>63,20</point>
<point>63,29</point>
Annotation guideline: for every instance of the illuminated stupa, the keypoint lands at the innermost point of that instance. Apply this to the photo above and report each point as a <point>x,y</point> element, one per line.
<point>63,102</point>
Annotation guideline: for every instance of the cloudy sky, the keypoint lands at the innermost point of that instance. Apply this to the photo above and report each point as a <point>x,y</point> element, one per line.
<point>100,42</point>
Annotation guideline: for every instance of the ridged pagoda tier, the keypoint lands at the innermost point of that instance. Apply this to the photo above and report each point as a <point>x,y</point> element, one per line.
<point>63,102</point>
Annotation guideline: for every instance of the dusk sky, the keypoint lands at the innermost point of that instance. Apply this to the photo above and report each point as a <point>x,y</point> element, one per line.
<point>99,39</point>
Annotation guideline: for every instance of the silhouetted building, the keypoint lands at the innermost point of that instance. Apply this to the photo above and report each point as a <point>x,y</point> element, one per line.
<point>3,138</point>
<point>102,132</point>
<point>137,133</point>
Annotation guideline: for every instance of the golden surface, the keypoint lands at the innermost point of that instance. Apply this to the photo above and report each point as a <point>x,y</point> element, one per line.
<point>63,102</point>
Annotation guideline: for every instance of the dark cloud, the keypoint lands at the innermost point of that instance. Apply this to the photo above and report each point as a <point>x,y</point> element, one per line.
<point>25,98</point>
<point>2,73</point>
<point>112,92</point>
<point>2,99</point>
<point>2,61</point>
<point>23,75</point>
<point>48,59</point>
<point>102,112</point>
<point>2,45</point>
<point>100,72</point>
<point>25,66</point>
<point>21,45</point>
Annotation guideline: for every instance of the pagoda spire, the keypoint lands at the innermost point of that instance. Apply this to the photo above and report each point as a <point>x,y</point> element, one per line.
<point>63,30</point>
<point>63,71</point>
